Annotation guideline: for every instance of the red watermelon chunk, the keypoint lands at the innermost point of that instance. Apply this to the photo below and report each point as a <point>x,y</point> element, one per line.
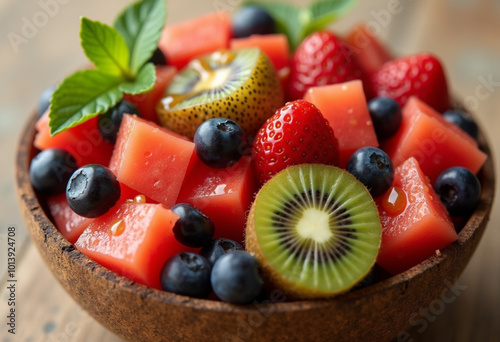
<point>184,41</point>
<point>146,102</point>
<point>434,142</point>
<point>422,227</point>
<point>84,141</point>
<point>133,240</point>
<point>151,160</point>
<point>69,223</point>
<point>344,106</point>
<point>275,46</point>
<point>224,195</point>
<point>371,53</point>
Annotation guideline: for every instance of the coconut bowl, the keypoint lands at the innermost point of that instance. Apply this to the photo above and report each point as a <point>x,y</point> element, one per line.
<point>138,313</point>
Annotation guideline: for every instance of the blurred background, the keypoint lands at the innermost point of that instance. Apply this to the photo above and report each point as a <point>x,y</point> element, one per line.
<point>465,34</point>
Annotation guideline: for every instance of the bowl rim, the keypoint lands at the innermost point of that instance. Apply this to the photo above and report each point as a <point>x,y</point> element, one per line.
<point>28,198</point>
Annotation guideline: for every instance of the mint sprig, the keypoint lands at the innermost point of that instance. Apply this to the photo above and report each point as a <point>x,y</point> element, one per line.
<point>119,55</point>
<point>298,22</point>
<point>140,25</point>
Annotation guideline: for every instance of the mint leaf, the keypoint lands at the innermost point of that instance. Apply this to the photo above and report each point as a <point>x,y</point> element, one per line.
<point>104,46</point>
<point>144,81</point>
<point>298,22</point>
<point>82,96</point>
<point>324,12</point>
<point>141,24</point>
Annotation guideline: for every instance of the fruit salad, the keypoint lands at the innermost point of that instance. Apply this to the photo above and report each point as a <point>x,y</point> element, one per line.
<point>231,154</point>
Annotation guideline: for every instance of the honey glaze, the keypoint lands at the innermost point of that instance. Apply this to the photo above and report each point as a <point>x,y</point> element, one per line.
<point>117,227</point>
<point>209,77</point>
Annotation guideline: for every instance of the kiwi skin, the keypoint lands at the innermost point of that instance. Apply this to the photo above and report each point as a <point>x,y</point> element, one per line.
<point>274,278</point>
<point>250,106</point>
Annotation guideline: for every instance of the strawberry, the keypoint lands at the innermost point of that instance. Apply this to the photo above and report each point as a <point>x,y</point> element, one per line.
<point>297,133</point>
<point>418,75</point>
<point>323,58</point>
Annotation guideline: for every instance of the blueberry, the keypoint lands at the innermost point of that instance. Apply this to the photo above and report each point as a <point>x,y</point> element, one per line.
<point>51,169</point>
<point>251,20</point>
<point>44,100</point>
<point>109,122</point>
<point>158,57</point>
<point>459,190</point>
<point>462,120</point>
<point>372,167</point>
<point>237,278</point>
<point>218,142</point>
<point>187,274</point>
<point>386,116</point>
<point>193,228</point>
<point>218,247</point>
<point>92,190</point>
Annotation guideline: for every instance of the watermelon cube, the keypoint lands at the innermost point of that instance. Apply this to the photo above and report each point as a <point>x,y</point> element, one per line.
<point>275,46</point>
<point>344,106</point>
<point>151,160</point>
<point>146,102</point>
<point>435,143</point>
<point>186,40</point>
<point>370,52</point>
<point>69,223</point>
<point>84,141</point>
<point>133,240</point>
<point>419,227</point>
<point>224,195</point>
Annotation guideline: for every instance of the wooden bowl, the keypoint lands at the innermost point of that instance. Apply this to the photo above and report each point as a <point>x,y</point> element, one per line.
<point>137,313</point>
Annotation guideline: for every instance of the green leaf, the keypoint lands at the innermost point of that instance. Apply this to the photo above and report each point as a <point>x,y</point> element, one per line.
<point>120,55</point>
<point>144,81</point>
<point>324,12</point>
<point>82,96</point>
<point>141,24</point>
<point>298,22</point>
<point>105,47</point>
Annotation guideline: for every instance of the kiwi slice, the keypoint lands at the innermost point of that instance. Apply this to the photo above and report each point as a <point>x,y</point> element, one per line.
<point>315,230</point>
<point>241,85</point>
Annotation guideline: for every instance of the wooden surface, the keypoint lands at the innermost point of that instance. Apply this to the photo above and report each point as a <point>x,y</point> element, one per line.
<point>464,33</point>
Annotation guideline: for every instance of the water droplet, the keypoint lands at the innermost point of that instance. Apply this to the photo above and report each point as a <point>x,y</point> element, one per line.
<point>117,227</point>
<point>140,199</point>
<point>220,189</point>
<point>394,201</point>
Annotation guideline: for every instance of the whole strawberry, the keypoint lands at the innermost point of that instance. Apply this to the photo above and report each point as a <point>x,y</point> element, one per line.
<point>323,58</point>
<point>297,133</point>
<point>419,75</point>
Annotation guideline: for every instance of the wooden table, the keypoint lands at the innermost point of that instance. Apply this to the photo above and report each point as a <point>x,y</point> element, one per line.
<point>464,33</point>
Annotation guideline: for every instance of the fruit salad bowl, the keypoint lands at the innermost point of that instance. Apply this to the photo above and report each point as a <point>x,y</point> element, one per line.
<point>138,313</point>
